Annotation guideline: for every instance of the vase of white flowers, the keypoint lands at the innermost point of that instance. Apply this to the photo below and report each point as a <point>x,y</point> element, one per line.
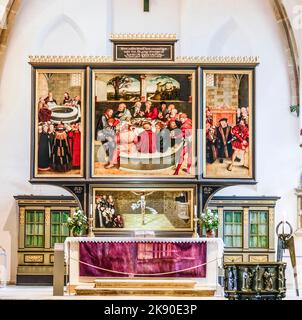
<point>209,220</point>
<point>77,223</point>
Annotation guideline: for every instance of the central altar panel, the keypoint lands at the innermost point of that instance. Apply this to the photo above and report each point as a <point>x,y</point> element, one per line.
<point>143,209</point>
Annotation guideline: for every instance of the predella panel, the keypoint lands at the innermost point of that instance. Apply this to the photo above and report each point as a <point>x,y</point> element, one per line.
<point>156,209</point>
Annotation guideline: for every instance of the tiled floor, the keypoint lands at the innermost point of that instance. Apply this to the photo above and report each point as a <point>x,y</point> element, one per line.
<point>45,293</point>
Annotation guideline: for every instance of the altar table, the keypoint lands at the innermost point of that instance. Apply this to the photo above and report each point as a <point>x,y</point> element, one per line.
<point>88,259</point>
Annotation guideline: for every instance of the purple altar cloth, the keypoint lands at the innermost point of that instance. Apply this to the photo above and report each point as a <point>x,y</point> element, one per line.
<point>139,259</point>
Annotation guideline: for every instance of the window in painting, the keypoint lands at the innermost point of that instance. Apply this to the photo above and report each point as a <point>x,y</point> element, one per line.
<point>232,220</point>
<point>59,229</point>
<point>34,228</point>
<point>258,229</point>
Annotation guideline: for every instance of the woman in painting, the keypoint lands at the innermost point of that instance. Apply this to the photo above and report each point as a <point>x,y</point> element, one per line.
<point>61,157</point>
<point>66,100</point>
<point>211,151</point>
<point>44,114</point>
<point>240,142</point>
<point>44,150</point>
<point>50,100</point>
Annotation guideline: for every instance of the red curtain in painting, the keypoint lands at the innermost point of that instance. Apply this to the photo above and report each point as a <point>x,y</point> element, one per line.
<point>143,258</point>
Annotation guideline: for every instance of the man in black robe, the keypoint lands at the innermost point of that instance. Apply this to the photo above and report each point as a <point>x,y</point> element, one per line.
<point>224,140</point>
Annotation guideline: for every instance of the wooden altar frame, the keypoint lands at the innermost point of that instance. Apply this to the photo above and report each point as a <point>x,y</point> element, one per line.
<point>206,187</point>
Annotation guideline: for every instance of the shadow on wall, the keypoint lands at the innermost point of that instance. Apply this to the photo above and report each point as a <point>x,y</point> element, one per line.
<point>64,30</point>
<point>11,226</point>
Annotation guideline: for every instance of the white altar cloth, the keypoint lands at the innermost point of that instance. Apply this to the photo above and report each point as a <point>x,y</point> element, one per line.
<point>215,249</point>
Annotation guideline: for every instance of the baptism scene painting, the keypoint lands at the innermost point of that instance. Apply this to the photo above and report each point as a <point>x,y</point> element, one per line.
<point>144,123</point>
<point>149,209</point>
<point>59,123</point>
<point>228,104</point>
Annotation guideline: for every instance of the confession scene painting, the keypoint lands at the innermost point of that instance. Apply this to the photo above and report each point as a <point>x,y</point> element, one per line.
<point>228,100</point>
<point>143,124</point>
<point>143,209</point>
<point>59,123</point>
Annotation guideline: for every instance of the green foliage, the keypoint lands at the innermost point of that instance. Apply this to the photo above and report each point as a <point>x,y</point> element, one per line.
<point>295,108</point>
<point>78,223</point>
<point>209,219</point>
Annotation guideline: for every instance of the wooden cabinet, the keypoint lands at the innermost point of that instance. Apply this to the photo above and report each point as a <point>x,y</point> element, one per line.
<point>41,224</point>
<point>247,227</point>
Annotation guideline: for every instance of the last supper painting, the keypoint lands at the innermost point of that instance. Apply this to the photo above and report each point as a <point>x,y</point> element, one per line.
<point>59,123</point>
<point>144,123</point>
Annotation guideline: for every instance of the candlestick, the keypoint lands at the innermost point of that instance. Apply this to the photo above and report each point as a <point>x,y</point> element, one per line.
<point>195,211</point>
<point>90,222</point>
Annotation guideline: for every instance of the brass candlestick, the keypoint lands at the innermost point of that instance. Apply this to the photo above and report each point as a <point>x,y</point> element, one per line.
<point>90,228</point>
<point>195,233</point>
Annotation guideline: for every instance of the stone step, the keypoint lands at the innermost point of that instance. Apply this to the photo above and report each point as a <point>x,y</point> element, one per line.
<point>92,291</point>
<point>135,283</point>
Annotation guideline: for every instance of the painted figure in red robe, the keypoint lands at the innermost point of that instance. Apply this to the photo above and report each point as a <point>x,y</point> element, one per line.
<point>240,141</point>
<point>186,129</point>
<point>147,139</point>
<point>151,112</point>
<point>76,146</point>
<point>44,113</point>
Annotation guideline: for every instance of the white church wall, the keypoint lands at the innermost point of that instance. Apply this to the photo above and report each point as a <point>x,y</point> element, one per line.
<point>208,27</point>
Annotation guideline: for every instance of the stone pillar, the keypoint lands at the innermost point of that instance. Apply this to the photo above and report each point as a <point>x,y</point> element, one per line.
<point>143,92</point>
<point>58,270</point>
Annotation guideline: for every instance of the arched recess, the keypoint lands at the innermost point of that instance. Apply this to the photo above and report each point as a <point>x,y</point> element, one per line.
<point>56,23</point>
<point>290,46</point>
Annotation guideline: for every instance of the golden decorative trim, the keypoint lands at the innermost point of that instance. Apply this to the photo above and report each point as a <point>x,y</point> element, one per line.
<point>258,258</point>
<point>38,258</point>
<point>144,36</point>
<point>70,59</point>
<point>233,258</point>
<point>22,217</point>
<point>181,60</point>
<point>219,59</point>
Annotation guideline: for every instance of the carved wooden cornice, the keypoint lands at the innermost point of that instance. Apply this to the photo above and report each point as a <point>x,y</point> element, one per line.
<point>143,37</point>
<point>206,60</point>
